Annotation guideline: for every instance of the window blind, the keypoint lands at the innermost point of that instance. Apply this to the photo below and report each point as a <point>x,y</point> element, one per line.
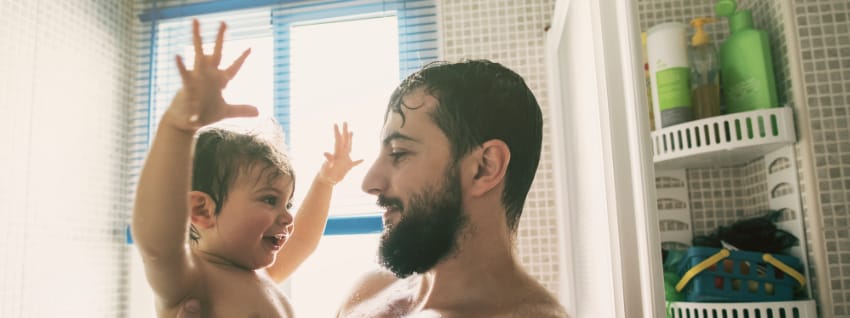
<point>417,36</point>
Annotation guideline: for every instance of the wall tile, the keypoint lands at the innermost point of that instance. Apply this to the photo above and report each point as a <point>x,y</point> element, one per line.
<point>65,86</point>
<point>511,32</point>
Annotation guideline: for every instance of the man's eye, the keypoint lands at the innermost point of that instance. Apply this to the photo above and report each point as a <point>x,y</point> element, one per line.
<point>270,200</point>
<point>289,205</point>
<point>397,155</point>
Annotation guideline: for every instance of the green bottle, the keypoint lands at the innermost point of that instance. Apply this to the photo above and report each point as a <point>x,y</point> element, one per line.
<point>746,67</point>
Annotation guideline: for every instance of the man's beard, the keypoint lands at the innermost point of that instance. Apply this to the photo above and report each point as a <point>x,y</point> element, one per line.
<point>428,230</point>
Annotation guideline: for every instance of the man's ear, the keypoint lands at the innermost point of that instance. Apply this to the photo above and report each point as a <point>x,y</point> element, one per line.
<point>492,160</point>
<point>201,209</point>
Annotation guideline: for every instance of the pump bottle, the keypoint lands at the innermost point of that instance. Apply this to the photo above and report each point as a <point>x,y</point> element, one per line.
<point>705,82</point>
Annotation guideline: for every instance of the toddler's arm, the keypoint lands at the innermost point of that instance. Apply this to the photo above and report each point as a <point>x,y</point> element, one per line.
<point>161,213</point>
<point>313,213</point>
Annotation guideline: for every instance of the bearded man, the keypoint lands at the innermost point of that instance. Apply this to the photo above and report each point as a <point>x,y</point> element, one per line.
<point>460,146</point>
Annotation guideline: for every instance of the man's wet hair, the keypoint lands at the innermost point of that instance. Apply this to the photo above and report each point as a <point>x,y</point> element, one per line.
<point>480,100</point>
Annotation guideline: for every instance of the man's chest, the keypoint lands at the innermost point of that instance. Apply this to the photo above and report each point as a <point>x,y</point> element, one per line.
<point>399,302</point>
<point>396,312</point>
<point>393,302</point>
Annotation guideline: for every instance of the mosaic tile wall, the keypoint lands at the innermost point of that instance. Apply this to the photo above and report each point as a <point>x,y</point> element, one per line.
<point>824,41</point>
<point>65,87</point>
<point>511,32</point>
<point>722,196</point>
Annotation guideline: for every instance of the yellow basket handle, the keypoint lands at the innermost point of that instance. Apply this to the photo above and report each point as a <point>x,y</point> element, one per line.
<point>694,271</point>
<point>785,268</point>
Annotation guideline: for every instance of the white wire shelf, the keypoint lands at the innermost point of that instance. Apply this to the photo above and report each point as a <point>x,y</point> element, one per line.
<point>723,141</point>
<point>789,309</point>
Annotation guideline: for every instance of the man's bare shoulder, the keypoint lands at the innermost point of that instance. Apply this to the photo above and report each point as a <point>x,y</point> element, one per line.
<point>375,281</point>
<point>538,310</point>
<point>522,310</point>
<point>535,301</point>
<point>368,286</point>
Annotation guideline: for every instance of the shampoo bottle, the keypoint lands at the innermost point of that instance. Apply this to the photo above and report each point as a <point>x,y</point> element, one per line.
<point>666,46</point>
<point>705,80</point>
<point>746,66</point>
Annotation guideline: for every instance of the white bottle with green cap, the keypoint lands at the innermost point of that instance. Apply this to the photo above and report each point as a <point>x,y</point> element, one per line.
<point>667,48</point>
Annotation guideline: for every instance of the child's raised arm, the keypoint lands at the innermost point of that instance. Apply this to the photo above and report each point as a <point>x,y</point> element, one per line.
<point>313,213</point>
<point>161,212</point>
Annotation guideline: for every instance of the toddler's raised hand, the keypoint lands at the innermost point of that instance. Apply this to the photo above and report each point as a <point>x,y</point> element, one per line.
<point>200,102</point>
<point>339,163</point>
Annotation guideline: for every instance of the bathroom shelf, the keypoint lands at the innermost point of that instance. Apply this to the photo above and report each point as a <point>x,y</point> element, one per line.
<point>723,141</point>
<point>790,309</point>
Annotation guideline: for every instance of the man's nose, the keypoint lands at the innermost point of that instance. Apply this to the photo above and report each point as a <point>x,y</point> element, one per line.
<point>375,181</point>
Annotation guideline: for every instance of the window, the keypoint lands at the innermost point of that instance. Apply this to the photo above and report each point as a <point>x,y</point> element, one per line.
<point>313,63</point>
<point>357,91</point>
<point>246,29</point>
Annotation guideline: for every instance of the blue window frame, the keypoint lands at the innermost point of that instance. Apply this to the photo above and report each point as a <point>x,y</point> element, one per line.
<point>417,47</point>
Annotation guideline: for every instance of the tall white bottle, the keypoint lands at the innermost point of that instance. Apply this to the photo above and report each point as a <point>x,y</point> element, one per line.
<point>667,48</point>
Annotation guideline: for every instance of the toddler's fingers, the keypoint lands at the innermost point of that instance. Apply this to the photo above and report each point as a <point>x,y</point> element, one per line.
<point>184,73</point>
<point>237,64</point>
<point>196,39</point>
<point>339,142</point>
<point>348,142</point>
<point>219,41</point>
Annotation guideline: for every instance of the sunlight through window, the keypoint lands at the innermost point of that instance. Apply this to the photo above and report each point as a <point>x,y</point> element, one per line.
<point>341,71</point>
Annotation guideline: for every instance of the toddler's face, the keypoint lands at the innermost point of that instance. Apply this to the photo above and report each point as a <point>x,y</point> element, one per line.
<point>255,221</point>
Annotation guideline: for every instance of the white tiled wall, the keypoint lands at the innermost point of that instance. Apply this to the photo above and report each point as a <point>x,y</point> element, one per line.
<point>824,42</point>
<point>511,32</point>
<point>65,81</point>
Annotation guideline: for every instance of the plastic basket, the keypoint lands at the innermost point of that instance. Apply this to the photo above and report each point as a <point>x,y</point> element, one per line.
<point>721,275</point>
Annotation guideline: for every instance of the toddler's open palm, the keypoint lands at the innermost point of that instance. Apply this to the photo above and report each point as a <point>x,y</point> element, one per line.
<point>200,102</point>
<point>339,163</point>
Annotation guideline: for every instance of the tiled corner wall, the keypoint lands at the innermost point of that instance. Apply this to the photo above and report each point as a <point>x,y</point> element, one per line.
<point>65,81</point>
<point>511,32</point>
<point>722,196</point>
<point>823,28</point>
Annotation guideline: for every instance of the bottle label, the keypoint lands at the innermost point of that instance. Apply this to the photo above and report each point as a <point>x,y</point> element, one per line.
<point>673,88</point>
<point>674,95</point>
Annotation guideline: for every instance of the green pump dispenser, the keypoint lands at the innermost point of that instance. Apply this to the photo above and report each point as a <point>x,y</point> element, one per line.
<point>746,67</point>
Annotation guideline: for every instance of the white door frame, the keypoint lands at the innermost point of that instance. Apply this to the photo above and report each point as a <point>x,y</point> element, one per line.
<point>603,164</point>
